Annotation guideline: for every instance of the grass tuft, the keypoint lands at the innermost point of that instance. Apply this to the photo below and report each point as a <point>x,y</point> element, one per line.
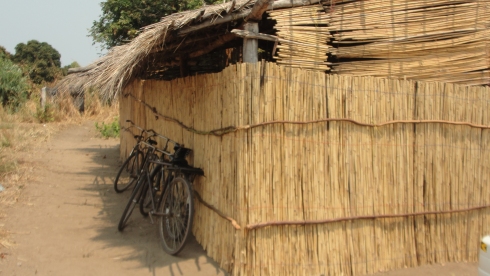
<point>110,130</point>
<point>7,166</point>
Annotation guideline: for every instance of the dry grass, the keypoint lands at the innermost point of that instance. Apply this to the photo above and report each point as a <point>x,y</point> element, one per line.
<point>21,131</point>
<point>16,137</point>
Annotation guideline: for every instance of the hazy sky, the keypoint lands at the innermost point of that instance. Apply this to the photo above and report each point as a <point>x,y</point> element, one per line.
<point>63,24</point>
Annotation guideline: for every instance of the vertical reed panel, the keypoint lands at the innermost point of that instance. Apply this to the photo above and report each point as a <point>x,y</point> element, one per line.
<point>126,138</point>
<point>327,170</point>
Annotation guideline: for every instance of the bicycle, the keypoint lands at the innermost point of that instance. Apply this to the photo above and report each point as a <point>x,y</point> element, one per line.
<point>165,192</point>
<point>158,177</point>
<point>131,167</point>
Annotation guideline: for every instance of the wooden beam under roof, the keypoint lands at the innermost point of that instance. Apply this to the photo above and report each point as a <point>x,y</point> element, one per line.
<point>257,10</point>
<point>281,4</point>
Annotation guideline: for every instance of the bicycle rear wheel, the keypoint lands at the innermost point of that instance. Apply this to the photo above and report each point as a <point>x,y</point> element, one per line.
<point>128,173</point>
<point>133,200</point>
<point>178,206</point>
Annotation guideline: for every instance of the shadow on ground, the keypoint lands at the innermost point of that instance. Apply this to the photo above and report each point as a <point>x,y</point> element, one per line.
<point>140,240</point>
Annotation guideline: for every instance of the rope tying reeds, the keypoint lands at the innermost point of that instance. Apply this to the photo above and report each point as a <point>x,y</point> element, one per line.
<point>325,221</point>
<point>309,222</point>
<point>215,132</point>
<point>231,129</point>
<point>128,129</point>
<point>214,209</point>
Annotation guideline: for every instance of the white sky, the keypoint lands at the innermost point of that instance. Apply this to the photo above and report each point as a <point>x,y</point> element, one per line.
<point>63,24</point>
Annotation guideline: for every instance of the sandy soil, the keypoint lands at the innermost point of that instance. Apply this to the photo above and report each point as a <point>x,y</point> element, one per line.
<point>65,222</point>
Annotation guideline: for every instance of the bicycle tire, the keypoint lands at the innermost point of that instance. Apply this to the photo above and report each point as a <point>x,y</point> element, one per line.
<point>128,210</point>
<point>145,201</point>
<point>128,173</point>
<point>178,204</point>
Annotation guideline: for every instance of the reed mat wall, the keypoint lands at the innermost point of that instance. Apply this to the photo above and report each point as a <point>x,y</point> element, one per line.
<point>438,40</point>
<point>309,152</point>
<point>305,35</point>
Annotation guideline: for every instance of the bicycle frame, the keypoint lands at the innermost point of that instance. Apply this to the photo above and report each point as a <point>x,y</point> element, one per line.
<point>173,170</point>
<point>164,190</point>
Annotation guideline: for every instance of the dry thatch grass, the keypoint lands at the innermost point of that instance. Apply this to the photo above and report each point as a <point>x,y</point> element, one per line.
<point>110,73</point>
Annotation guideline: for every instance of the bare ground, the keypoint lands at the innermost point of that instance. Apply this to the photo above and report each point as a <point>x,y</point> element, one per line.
<point>65,220</point>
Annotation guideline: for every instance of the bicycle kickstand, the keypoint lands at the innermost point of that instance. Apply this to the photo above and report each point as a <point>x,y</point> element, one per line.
<point>150,214</point>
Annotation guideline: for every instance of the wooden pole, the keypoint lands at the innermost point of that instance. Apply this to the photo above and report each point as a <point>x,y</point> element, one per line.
<point>251,45</point>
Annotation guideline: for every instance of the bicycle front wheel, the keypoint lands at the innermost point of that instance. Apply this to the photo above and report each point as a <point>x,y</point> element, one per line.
<point>133,200</point>
<point>128,173</point>
<point>178,209</point>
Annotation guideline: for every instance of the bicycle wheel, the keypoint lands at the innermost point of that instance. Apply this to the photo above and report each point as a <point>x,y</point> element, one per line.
<point>129,171</point>
<point>146,195</point>
<point>178,207</point>
<point>133,200</point>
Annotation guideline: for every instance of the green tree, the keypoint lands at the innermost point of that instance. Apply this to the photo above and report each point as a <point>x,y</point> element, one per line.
<point>13,85</point>
<point>121,19</point>
<point>40,60</point>
<point>4,53</point>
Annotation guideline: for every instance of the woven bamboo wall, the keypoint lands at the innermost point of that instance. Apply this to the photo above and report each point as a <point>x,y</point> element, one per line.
<point>439,40</point>
<point>328,170</point>
<point>305,37</point>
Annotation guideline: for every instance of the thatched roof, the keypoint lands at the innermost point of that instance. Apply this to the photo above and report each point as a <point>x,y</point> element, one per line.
<point>439,40</point>
<point>189,33</point>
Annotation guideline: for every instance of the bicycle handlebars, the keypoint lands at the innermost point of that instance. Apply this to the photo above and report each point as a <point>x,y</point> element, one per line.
<point>156,134</point>
<point>177,147</point>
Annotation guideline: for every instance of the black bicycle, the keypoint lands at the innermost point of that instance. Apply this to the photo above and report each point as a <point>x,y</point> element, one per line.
<point>131,167</point>
<point>164,190</point>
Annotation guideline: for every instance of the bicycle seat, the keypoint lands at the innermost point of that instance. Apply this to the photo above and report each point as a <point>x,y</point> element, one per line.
<point>152,142</point>
<point>179,156</point>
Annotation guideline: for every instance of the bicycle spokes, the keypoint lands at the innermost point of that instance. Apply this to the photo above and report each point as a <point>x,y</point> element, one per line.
<point>176,221</point>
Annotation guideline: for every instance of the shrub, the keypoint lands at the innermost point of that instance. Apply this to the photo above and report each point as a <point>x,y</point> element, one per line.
<point>13,85</point>
<point>44,114</point>
<point>109,130</point>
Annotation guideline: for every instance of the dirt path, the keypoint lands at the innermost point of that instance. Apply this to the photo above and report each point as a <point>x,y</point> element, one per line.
<point>65,222</point>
